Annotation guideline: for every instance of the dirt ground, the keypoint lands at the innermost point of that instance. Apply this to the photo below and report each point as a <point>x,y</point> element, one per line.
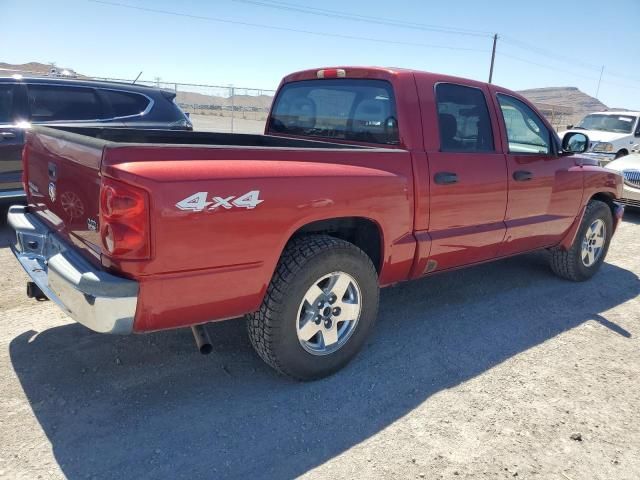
<point>498,371</point>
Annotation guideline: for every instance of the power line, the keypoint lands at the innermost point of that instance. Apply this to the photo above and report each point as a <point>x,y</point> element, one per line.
<point>284,29</point>
<point>595,79</point>
<point>395,23</point>
<point>547,53</point>
<point>364,18</point>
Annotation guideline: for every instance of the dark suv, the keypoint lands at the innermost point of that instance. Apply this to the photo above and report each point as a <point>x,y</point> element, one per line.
<point>25,101</point>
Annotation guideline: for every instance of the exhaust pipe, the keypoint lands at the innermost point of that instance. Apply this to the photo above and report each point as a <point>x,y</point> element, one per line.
<point>33,291</point>
<point>203,342</point>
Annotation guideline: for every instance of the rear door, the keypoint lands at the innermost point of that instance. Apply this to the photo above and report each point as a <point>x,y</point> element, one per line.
<point>11,138</point>
<point>468,174</point>
<point>544,194</point>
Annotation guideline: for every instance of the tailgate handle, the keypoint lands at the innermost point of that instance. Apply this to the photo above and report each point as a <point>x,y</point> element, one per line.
<point>445,178</point>
<point>7,135</point>
<point>522,176</point>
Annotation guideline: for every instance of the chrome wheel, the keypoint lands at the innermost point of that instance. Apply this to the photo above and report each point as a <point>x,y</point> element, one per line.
<point>329,313</point>
<point>593,243</point>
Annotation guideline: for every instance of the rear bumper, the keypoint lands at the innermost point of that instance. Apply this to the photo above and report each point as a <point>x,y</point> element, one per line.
<point>98,300</point>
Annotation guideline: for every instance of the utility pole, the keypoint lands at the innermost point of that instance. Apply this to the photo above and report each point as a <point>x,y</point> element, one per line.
<point>493,56</point>
<point>599,80</point>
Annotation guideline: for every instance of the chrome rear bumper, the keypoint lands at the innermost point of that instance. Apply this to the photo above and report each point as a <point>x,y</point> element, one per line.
<point>98,300</point>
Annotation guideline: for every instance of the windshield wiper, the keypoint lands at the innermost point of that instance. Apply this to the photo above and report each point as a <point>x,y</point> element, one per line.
<point>579,128</point>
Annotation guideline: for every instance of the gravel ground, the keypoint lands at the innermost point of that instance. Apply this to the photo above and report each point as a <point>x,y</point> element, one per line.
<point>497,371</point>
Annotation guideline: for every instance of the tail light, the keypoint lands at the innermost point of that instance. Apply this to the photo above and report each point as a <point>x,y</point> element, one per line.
<point>124,221</point>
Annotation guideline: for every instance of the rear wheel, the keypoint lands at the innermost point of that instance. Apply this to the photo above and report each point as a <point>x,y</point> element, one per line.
<point>319,308</point>
<point>587,253</point>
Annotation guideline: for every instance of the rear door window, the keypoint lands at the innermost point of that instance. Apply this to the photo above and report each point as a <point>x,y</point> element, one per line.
<point>52,103</point>
<point>7,94</point>
<point>126,104</point>
<point>463,118</point>
<point>342,109</point>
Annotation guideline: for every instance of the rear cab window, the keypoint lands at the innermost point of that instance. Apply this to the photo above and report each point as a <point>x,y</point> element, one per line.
<point>357,110</point>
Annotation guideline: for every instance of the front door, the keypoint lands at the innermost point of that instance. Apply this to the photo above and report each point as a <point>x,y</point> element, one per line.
<point>468,179</point>
<point>544,193</point>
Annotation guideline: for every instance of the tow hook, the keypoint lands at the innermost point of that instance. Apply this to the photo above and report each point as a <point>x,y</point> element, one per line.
<point>33,291</point>
<point>203,342</point>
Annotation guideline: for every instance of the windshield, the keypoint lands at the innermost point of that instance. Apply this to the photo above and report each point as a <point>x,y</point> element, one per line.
<point>608,123</point>
<point>344,109</point>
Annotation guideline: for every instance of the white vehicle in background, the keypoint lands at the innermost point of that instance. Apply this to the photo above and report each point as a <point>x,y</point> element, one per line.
<point>611,134</point>
<point>629,167</point>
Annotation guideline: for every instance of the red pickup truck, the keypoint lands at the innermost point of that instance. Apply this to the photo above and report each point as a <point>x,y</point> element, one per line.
<point>365,177</point>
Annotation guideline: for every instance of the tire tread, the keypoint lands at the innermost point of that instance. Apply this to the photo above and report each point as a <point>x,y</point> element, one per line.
<point>263,326</point>
<point>563,262</point>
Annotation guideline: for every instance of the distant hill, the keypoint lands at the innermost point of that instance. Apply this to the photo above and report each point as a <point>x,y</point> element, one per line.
<point>576,100</point>
<point>35,68</point>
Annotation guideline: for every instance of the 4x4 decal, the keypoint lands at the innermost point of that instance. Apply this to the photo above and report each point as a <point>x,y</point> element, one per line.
<point>198,201</point>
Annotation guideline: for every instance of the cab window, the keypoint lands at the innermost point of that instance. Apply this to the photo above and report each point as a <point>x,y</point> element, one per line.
<point>526,132</point>
<point>342,109</point>
<point>463,118</point>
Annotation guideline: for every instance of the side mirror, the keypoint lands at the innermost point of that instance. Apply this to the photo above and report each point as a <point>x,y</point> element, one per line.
<point>569,127</point>
<point>575,142</point>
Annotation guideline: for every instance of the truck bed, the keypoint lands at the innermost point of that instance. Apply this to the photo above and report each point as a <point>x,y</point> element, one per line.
<point>189,138</point>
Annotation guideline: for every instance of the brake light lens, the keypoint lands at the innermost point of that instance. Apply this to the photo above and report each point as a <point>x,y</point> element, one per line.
<point>124,221</point>
<point>331,73</point>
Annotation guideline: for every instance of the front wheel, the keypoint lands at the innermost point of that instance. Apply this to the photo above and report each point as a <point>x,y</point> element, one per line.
<point>319,308</point>
<point>587,253</point>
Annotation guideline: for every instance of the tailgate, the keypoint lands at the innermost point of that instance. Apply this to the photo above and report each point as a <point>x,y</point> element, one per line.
<point>62,171</point>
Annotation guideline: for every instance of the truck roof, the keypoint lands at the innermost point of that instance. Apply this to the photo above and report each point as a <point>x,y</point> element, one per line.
<point>376,72</point>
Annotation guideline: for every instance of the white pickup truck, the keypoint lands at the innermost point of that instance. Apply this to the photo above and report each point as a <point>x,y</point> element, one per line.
<point>611,134</point>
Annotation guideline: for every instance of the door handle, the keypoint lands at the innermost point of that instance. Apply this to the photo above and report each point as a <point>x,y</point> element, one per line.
<point>445,178</point>
<point>7,135</point>
<point>522,176</point>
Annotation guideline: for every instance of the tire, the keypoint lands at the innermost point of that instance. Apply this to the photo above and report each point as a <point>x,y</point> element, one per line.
<point>307,270</point>
<point>573,264</point>
<point>620,154</point>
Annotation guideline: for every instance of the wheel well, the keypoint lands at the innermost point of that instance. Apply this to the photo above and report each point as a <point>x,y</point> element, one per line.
<point>606,198</point>
<point>362,232</point>
<point>622,152</point>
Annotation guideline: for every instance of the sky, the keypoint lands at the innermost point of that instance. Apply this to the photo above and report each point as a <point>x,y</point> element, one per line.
<point>254,43</point>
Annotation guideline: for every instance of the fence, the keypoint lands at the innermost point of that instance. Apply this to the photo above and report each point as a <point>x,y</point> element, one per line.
<point>218,108</point>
